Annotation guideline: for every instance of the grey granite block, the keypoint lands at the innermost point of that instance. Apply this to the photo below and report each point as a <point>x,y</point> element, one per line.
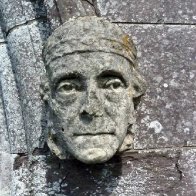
<point>1,36</point>
<point>4,140</point>
<point>25,46</point>
<point>74,8</point>
<point>151,11</point>
<point>53,14</point>
<point>167,115</point>
<point>166,172</point>
<point>186,166</point>
<point>6,168</point>
<point>11,102</point>
<point>19,12</point>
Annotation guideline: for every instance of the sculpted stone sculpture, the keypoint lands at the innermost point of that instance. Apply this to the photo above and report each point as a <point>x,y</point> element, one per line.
<point>91,89</point>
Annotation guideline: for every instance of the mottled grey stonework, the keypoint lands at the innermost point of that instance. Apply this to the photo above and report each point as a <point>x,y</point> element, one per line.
<point>19,12</point>
<point>151,11</point>
<point>167,59</point>
<point>12,109</point>
<point>53,14</point>
<point>75,8</point>
<point>21,70</point>
<point>6,169</point>
<point>4,143</point>
<point>91,104</point>
<point>28,68</point>
<point>1,36</point>
<point>161,172</point>
<point>166,117</point>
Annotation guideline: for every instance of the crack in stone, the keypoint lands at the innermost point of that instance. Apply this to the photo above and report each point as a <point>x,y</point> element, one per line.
<point>58,11</point>
<point>60,185</point>
<point>93,4</point>
<point>178,166</point>
<point>89,1</point>
<point>179,171</point>
<point>155,23</point>
<point>4,42</point>
<point>19,160</point>
<point>24,24</point>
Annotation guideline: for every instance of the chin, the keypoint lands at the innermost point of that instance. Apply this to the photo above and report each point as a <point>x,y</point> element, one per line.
<point>94,155</point>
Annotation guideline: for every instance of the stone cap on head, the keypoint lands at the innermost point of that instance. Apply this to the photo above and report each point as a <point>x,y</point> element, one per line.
<point>89,34</point>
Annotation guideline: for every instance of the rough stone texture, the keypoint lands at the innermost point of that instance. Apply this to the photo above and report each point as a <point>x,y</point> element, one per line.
<point>12,109</point>
<point>167,59</point>
<point>151,11</point>
<point>75,8</point>
<point>28,68</point>
<point>6,168</point>
<point>29,176</point>
<point>166,172</point>
<point>89,6</point>
<point>186,166</point>
<point>1,36</point>
<point>19,12</point>
<point>91,102</point>
<point>53,15</point>
<point>4,143</point>
<point>172,46</point>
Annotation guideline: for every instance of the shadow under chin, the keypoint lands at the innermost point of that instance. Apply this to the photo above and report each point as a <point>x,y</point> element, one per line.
<point>78,178</point>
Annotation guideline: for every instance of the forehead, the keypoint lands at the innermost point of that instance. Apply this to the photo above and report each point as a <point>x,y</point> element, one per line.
<point>89,64</point>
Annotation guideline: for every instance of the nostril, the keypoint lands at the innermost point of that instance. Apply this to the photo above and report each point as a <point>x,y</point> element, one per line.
<point>85,117</point>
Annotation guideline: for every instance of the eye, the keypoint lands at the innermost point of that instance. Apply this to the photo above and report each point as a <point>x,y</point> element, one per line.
<point>114,84</point>
<point>67,87</point>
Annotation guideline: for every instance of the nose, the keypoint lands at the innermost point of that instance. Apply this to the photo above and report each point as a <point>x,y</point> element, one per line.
<point>92,106</point>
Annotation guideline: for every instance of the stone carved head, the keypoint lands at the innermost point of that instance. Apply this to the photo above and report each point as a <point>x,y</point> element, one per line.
<point>91,90</point>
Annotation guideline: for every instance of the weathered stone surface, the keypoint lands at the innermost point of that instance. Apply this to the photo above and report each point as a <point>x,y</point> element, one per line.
<point>89,6</point>
<point>53,14</point>
<point>28,67</point>
<point>18,12</point>
<point>166,118</point>
<point>1,36</point>
<point>167,59</point>
<point>11,105</point>
<point>74,8</point>
<point>6,168</point>
<point>166,172</point>
<point>147,174</point>
<point>70,8</point>
<point>180,11</point>
<point>186,166</point>
<point>151,11</point>
<point>29,176</point>
<point>4,143</point>
<point>90,103</point>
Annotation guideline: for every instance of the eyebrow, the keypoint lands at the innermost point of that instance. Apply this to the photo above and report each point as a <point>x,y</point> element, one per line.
<point>68,75</point>
<point>113,73</point>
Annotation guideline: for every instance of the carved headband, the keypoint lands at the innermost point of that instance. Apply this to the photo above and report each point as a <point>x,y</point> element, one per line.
<point>89,34</point>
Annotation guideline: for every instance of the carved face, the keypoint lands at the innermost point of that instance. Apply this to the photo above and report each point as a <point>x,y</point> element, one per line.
<point>91,104</point>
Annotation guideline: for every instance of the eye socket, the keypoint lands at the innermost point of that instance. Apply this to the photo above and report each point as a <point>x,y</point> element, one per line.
<point>114,84</point>
<point>67,87</point>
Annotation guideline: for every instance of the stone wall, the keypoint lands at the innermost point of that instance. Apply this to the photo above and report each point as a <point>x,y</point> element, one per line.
<point>163,158</point>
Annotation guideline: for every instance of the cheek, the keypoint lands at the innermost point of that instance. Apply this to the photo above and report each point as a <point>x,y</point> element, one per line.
<point>66,107</point>
<point>66,100</point>
<point>119,106</point>
<point>119,100</point>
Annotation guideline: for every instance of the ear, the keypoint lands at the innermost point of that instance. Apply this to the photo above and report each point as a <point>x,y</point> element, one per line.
<point>53,142</point>
<point>127,143</point>
<point>44,89</point>
<point>55,148</point>
<point>139,85</point>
